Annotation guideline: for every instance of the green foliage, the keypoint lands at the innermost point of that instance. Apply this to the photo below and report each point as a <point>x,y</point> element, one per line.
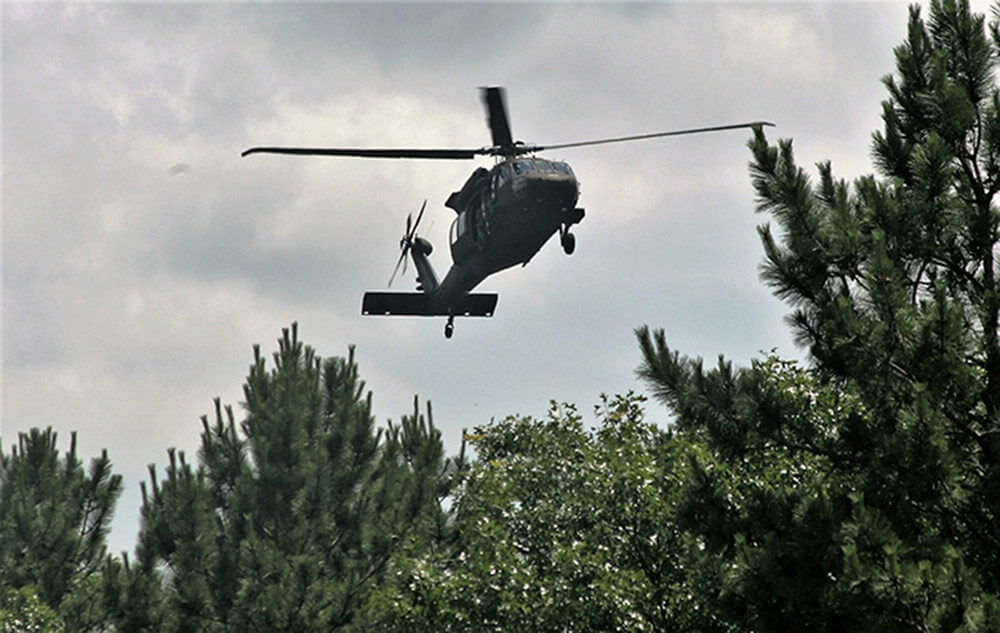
<point>54,519</point>
<point>560,529</point>
<point>860,492</point>
<point>22,612</point>
<point>291,516</point>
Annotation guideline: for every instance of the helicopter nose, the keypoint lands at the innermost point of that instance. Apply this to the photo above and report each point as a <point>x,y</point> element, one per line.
<point>560,192</point>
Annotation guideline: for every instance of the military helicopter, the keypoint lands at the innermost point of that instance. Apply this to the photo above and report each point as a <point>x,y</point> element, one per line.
<point>504,215</point>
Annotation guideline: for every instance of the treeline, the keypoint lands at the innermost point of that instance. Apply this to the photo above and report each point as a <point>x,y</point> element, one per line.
<point>858,491</point>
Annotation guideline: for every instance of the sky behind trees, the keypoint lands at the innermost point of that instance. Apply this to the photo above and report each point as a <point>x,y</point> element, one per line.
<point>142,257</point>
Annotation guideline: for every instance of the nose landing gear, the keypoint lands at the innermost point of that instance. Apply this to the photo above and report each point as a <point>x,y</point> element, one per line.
<point>449,327</point>
<point>568,240</point>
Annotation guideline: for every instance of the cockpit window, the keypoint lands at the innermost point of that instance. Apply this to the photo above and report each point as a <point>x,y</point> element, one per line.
<point>562,168</point>
<point>543,166</point>
<point>522,166</point>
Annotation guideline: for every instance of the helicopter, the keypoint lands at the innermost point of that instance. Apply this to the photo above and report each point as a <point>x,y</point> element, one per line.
<point>504,215</point>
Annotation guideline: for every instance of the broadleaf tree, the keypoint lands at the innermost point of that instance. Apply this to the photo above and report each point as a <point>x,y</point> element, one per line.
<point>22,612</point>
<point>560,527</point>
<point>861,491</point>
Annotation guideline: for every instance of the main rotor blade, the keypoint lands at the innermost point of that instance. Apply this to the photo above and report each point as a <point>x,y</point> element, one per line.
<point>496,116</point>
<point>443,154</point>
<point>621,139</point>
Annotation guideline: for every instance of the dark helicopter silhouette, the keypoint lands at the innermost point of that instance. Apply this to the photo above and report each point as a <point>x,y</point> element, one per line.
<point>504,216</point>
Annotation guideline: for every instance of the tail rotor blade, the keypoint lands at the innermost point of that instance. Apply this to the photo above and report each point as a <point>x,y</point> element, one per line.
<point>400,261</point>
<point>407,241</point>
<point>419,215</point>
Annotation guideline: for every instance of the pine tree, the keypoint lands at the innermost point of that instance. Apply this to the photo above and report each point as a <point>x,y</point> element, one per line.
<point>54,521</point>
<point>292,515</point>
<point>862,491</point>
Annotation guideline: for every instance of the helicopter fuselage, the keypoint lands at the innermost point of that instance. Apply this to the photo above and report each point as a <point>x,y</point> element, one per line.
<point>505,215</point>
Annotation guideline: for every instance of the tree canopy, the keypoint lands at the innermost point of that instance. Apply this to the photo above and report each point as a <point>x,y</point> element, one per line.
<point>861,491</point>
<point>560,528</point>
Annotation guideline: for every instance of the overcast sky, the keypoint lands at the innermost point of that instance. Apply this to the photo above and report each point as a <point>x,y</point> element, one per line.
<point>142,257</point>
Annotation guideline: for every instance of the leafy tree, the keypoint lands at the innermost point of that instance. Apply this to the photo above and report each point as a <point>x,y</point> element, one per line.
<point>560,529</point>
<point>291,516</point>
<point>22,612</point>
<point>862,490</point>
<point>54,520</point>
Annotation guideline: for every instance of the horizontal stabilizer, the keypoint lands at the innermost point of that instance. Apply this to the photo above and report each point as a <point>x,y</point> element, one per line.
<point>417,304</point>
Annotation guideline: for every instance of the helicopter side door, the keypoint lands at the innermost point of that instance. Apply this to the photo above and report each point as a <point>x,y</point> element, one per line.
<point>471,230</point>
<point>461,238</point>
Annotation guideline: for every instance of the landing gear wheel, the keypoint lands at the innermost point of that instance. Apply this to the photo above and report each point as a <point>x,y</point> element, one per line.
<point>568,241</point>
<point>449,327</point>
